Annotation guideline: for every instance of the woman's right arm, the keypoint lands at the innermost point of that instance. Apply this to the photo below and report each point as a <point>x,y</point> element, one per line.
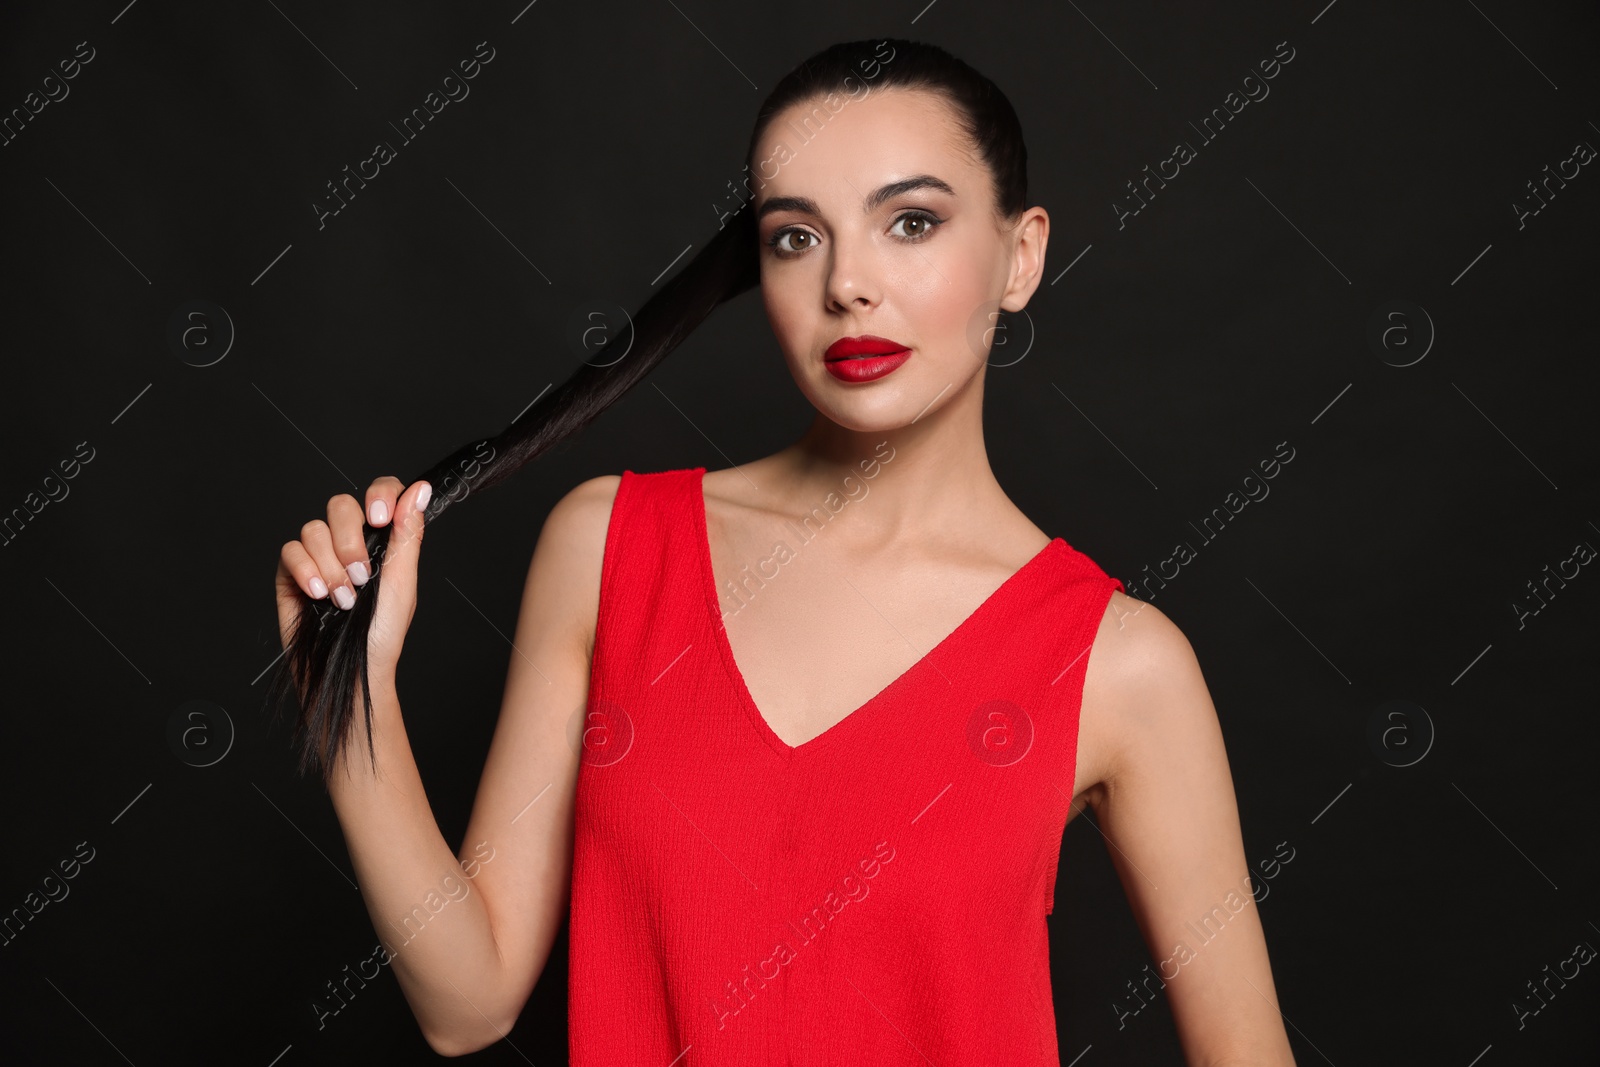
<point>467,968</point>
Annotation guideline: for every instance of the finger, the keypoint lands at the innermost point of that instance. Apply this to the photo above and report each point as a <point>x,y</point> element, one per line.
<point>381,495</point>
<point>296,565</point>
<point>345,521</point>
<point>406,537</point>
<point>297,577</point>
<point>318,541</point>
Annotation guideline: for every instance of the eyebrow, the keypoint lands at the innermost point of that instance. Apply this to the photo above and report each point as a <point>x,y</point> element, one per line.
<point>807,206</point>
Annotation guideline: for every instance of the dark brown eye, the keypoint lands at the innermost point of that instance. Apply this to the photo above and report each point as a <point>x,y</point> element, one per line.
<point>914,227</point>
<point>778,240</point>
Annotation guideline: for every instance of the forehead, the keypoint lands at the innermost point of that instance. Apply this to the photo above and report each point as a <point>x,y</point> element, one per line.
<point>840,150</point>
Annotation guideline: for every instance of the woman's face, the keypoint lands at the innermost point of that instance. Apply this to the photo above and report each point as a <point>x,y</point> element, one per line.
<point>878,219</point>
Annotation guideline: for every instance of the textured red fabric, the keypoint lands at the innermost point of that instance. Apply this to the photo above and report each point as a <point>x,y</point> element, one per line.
<point>876,895</point>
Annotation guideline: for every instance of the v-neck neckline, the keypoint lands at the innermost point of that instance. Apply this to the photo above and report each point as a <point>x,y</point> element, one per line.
<point>736,676</point>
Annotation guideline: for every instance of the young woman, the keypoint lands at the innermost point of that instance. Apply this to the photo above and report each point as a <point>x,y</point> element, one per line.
<point>794,742</point>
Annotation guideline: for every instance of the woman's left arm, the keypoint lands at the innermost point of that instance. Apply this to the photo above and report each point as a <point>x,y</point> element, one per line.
<point>1167,809</point>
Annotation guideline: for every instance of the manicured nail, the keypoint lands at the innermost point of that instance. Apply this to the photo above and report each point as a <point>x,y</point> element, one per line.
<point>424,495</point>
<point>343,597</point>
<point>319,588</point>
<point>358,573</point>
<point>380,513</point>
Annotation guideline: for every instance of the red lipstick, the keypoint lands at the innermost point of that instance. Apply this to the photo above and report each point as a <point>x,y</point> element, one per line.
<point>865,358</point>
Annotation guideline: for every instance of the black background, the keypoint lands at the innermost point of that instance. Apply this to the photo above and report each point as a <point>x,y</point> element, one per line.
<point>1231,314</point>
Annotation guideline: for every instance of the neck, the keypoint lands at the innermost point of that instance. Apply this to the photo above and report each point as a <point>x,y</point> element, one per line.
<point>930,475</point>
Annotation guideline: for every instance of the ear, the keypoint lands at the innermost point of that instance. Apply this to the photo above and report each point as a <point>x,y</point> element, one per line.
<point>1029,237</point>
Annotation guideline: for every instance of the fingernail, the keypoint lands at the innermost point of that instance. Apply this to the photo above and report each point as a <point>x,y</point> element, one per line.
<point>380,513</point>
<point>424,495</point>
<point>343,597</point>
<point>358,573</point>
<point>319,588</point>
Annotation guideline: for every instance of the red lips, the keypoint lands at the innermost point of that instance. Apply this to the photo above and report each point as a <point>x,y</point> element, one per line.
<point>865,345</point>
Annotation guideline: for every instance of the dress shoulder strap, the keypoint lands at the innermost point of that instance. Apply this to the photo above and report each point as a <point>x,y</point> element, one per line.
<point>647,588</point>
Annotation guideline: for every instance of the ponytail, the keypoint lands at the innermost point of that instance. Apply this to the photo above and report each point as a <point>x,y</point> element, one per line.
<point>327,651</point>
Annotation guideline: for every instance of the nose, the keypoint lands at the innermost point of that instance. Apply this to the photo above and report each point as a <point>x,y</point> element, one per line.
<point>853,283</point>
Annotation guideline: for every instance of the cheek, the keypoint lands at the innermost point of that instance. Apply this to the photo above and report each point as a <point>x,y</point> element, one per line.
<point>951,312</point>
<point>956,275</point>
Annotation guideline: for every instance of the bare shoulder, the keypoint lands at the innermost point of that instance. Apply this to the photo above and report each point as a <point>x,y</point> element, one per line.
<point>1138,646</point>
<point>567,559</point>
<point>1143,691</point>
<point>586,505</point>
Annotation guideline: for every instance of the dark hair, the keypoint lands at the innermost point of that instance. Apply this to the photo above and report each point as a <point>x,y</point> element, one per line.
<point>326,653</point>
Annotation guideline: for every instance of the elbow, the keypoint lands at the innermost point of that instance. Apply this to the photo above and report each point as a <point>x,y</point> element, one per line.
<point>445,1047</point>
<point>465,1042</point>
<point>477,1023</point>
<point>448,1044</point>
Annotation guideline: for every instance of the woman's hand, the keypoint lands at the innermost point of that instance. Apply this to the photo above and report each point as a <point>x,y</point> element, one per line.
<point>329,562</point>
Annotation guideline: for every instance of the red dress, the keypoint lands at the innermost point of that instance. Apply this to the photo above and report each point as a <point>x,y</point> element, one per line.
<point>875,895</point>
